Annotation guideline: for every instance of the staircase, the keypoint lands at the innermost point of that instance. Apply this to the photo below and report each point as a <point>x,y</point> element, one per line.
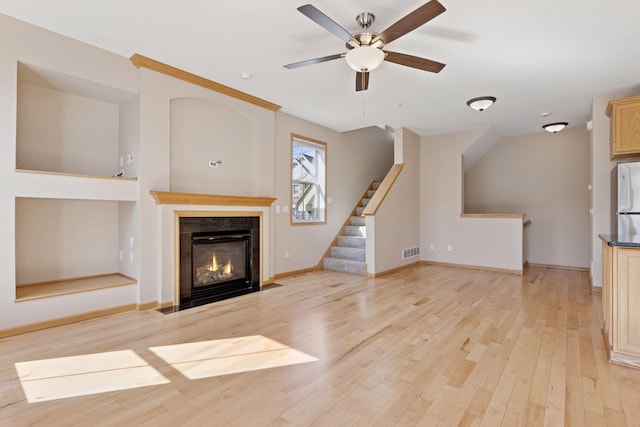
<point>349,254</point>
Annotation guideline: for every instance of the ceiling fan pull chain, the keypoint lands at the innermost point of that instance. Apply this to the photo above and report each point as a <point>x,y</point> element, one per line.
<point>362,103</point>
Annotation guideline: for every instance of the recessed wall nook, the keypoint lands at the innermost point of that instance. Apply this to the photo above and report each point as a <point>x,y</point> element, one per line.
<point>76,150</point>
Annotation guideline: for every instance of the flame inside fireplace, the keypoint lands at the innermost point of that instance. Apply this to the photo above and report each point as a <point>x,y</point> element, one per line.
<point>225,269</point>
<point>215,271</point>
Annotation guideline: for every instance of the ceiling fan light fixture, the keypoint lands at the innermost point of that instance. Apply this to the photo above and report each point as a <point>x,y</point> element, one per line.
<point>481,103</point>
<point>555,127</point>
<point>364,58</point>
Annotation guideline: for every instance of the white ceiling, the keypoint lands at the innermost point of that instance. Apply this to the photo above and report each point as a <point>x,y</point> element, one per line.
<point>534,56</point>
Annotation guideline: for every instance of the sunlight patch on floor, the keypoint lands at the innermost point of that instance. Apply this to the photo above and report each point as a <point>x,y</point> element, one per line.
<point>229,356</point>
<point>64,377</point>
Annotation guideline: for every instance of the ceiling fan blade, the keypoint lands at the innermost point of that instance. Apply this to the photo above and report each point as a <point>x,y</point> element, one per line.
<point>314,61</point>
<point>325,22</point>
<point>414,62</point>
<point>362,81</point>
<point>415,19</point>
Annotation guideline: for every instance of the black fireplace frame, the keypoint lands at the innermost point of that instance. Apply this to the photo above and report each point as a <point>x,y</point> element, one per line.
<point>217,226</point>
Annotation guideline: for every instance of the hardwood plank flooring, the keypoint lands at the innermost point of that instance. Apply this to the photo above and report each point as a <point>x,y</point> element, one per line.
<point>429,345</point>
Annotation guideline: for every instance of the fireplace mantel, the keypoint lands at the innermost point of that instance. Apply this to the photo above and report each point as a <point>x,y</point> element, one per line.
<point>172,198</point>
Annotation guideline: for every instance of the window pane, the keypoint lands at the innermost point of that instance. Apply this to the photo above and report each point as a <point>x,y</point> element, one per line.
<point>307,181</point>
<point>304,163</point>
<point>304,201</point>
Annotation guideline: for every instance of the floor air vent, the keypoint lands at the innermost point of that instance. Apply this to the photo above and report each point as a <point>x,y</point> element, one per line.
<point>410,252</point>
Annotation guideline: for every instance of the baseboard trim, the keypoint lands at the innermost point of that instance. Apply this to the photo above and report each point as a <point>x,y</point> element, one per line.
<point>148,305</point>
<point>558,267</point>
<point>268,282</point>
<point>391,271</point>
<point>473,267</point>
<point>296,272</point>
<point>66,320</point>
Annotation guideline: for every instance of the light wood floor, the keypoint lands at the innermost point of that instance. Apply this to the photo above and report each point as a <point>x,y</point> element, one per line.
<point>429,346</point>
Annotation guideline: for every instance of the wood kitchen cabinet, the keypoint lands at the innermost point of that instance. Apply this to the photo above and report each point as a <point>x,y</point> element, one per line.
<point>607,309</point>
<point>625,127</point>
<point>627,297</point>
<point>620,302</point>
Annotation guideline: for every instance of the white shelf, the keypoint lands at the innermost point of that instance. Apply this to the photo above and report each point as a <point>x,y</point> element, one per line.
<point>56,185</point>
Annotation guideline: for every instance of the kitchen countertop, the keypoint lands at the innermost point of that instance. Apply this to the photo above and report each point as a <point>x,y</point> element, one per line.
<point>622,240</point>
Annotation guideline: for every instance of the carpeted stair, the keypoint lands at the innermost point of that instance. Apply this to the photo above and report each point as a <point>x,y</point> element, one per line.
<point>349,255</point>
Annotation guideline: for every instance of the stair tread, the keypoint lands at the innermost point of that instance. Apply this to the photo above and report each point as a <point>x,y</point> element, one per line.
<point>344,265</point>
<point>348,261</point>
<point>354,230</point>
<point>350,253</point>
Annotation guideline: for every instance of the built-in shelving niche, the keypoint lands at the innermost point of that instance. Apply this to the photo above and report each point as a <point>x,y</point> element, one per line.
<point>67,246</point>
<point>74,219</point>
<point>67,124</point>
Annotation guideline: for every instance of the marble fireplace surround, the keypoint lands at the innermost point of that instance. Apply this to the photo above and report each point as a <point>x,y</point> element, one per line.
<point>172,206</point>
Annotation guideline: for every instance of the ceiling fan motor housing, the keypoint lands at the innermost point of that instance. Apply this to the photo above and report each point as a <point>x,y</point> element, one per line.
<point>365,39</point>
<point>365,19</point>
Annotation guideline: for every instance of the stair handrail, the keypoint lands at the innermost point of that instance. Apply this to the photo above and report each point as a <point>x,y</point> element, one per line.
<point>382,191</point>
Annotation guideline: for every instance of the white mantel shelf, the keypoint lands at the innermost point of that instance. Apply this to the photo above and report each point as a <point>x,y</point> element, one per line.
<point>172,198</point>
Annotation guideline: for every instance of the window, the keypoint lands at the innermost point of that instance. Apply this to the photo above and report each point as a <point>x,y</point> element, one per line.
<point>308,159</point>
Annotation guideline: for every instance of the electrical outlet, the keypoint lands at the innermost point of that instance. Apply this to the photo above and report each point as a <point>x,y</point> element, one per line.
<point>450,248</point>
<point>277,209</point>
<point>432,246</point>
<point>121,162</point>
<point>214,163</point>
<point>287,254</point>
<point>121,256</point>
<point>131,241</point>
<point>131,257</point>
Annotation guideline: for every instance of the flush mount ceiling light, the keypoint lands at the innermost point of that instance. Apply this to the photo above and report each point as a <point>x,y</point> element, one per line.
<point>364,58</point>
<point>481,103</point>
<point>555,127</point>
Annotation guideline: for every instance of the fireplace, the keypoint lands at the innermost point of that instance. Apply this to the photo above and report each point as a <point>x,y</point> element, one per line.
<point>219,258</point>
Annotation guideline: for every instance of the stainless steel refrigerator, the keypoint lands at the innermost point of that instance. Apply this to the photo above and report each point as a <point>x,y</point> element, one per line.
<point>627,209</point>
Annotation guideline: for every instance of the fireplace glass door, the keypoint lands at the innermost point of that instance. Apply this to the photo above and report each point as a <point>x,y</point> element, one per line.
<point>219,259</point>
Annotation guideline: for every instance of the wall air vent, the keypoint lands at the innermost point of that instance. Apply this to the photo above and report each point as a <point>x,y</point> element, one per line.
<point>410,252</point>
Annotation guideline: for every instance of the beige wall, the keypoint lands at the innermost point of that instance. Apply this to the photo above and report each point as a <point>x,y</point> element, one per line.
<point>62,239</point>
<point>62,132</point>
<point>495,243</point>
<point>204,129</point>
<point>396,225</point>
<point>546,177</point>
<point>354,159</point>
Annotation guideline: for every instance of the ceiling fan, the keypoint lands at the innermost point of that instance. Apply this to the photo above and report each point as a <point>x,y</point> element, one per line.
<point>365,51</point>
